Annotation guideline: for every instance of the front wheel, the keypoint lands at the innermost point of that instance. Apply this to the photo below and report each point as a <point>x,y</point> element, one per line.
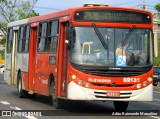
<point>56,102</point>
<point>121,105</point>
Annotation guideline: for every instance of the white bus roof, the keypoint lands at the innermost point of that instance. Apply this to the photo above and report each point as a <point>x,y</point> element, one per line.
<point>19,22</point>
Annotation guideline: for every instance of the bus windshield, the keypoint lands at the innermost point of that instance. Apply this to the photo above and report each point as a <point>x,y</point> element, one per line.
<point>88,49</point>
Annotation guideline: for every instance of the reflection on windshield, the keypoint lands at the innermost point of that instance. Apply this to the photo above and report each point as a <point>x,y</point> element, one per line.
<point>88,49</point>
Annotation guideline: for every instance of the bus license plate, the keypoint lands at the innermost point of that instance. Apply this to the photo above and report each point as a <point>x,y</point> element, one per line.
<point>113,94</point>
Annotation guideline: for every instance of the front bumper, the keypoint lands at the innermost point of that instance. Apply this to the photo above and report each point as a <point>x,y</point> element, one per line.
<point>77,92</point>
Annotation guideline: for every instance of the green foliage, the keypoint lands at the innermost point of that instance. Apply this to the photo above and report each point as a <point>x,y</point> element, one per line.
<point>157,7</point>
<point>12,10</point>
<point>157,59</point>
<point>3,41</point>
<point>2,54</point>
<point>22,15</point>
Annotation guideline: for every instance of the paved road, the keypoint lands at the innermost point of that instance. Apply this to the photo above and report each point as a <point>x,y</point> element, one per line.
<point>9,101</point>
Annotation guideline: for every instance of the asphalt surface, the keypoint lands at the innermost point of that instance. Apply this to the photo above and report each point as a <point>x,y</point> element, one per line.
<point>42,105</point>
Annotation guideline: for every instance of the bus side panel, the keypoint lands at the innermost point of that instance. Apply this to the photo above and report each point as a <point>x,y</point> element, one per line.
<point>41,86</point>
<point>7,74</point>
<point>41,73</point>
<point>45,65</point>
<point>25,64</point>
<point>41,62</point>
<point>25,83</point>
<point>18,66</point>
<point>22,65</point>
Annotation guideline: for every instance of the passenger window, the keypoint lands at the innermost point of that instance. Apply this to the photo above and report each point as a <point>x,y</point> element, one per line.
<point>42,37</point>
<point>26,38</point>
<point>9,40</point>
<point>52,36</point>
<point>20,40</point>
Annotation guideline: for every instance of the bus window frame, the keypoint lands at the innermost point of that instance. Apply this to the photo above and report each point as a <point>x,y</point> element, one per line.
<point>18,40</point>
<point>9,50</point>
<point>39,37</point>
<point>27,25</point>
<point>49,36</point>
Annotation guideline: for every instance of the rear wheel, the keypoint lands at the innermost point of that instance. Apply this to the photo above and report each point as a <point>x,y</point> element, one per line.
<point>20,91</point>
<point>121,105</point>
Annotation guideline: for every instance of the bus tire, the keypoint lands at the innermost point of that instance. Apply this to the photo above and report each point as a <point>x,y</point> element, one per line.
<point>20,91</point>
<point>121,105</point>
<point>56,102</point>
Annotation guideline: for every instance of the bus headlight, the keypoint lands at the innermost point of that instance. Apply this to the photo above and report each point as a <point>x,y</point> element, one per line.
<point>150,79</point>
<point>138,85</point>
<point>74,77</point>
<point>145,83</point>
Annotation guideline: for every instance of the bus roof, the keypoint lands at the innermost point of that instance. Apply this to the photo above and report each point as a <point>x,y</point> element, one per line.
<point>19,22</point>
<point>50,15</point>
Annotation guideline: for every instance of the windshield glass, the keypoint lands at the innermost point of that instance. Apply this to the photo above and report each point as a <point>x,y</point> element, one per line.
<point>89,50</point>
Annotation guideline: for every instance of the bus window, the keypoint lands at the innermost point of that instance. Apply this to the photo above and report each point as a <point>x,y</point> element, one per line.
<point>9,40</point>
<point>26,39</point>
<point>20,40</point>
<point>52,36</point>
<point>42,37</point>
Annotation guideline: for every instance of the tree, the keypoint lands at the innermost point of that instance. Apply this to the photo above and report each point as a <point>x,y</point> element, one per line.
<point>157,7</point>
<point>12,10</point>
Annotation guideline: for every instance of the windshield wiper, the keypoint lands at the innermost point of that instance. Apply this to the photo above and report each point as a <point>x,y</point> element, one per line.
<point>128,35</point>
<point>101,38</point>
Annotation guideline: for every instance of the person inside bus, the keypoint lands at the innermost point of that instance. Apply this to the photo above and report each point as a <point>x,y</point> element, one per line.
<point>134,55</point>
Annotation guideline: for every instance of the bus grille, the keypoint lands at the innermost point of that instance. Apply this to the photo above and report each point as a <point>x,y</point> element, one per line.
<point>113,73</point>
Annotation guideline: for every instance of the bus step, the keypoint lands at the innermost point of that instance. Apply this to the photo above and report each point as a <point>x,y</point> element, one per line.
<point>31,92</point>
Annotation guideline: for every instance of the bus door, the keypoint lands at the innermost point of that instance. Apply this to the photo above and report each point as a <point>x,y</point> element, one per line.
<point>32,55</point>
<point>62,60</point>
<point>13,56</point>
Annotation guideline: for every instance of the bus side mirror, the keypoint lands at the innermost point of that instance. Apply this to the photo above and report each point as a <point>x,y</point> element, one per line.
<point>70,37</point>
<point>68,33</point>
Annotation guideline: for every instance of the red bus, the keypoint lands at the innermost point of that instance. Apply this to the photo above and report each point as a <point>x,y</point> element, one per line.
<point>95,52</point>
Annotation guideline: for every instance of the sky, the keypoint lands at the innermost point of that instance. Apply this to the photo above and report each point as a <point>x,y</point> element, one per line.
<point>48,6</point>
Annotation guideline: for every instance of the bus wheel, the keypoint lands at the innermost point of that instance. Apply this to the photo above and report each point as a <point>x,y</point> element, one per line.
<point>20,91</point>
<point>55,100</point>
<point>121,105</point>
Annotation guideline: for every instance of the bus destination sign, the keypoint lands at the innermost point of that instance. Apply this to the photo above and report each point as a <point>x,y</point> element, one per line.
<point>112,16</point>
